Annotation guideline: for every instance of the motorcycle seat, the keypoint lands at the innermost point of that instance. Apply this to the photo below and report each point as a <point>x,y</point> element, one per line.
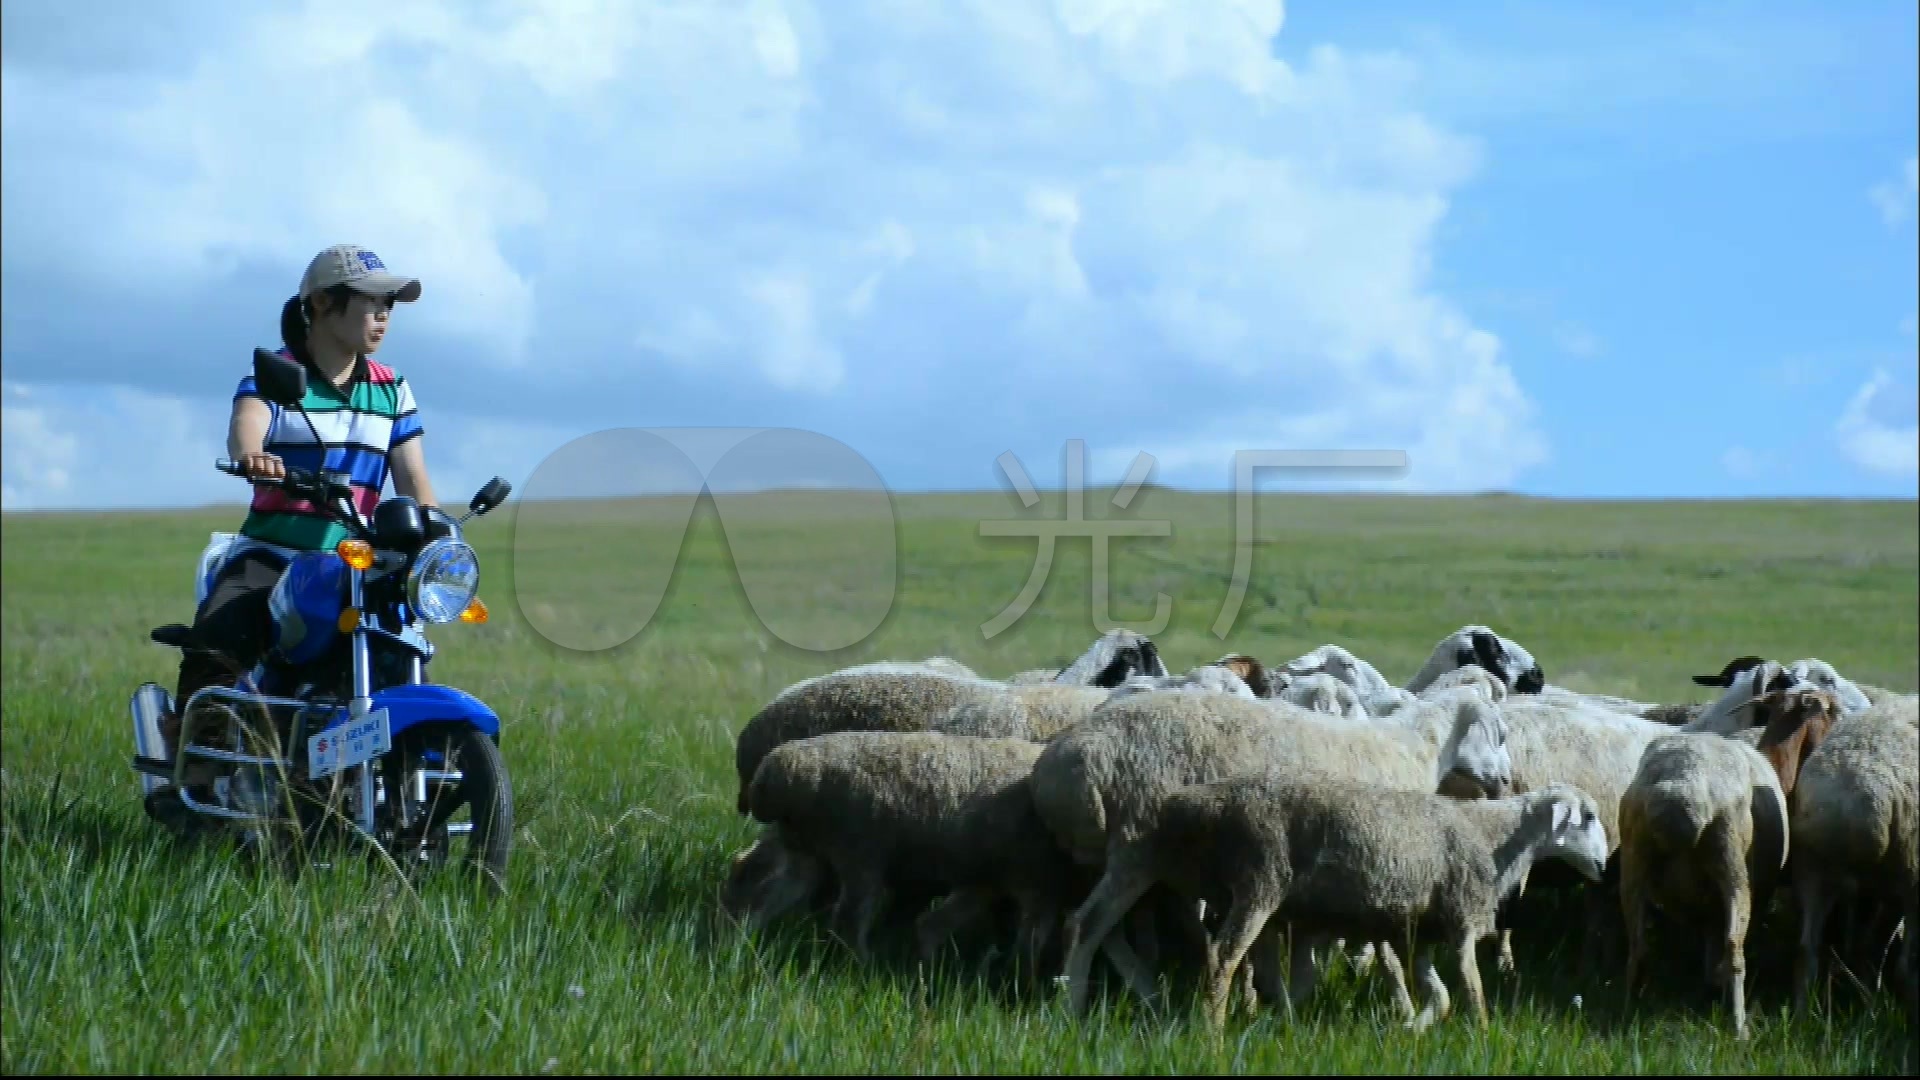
<point>174,635</point>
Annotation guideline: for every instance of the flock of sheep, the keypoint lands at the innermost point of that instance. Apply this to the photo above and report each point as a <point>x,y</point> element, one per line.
<point>1113,808</point>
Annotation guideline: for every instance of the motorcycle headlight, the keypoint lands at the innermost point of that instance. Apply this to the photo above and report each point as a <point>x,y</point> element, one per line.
<point>444,579</point>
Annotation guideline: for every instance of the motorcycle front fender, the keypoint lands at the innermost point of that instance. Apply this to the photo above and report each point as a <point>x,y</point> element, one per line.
<point>431,702</point>
<point>412,704</point>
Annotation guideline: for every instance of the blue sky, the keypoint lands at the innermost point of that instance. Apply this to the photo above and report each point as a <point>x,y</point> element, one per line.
<point>1617,250</point>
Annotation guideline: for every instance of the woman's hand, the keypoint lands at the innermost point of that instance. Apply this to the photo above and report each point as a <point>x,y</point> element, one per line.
<point>263,466</point>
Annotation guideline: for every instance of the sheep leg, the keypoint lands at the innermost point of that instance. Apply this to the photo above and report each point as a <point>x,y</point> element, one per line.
<point>1361,961</point>
<point>1635,909</point>
<point>1238,931</point>
<point>1119,888</point>
<point>1302,973</point>
<point>1265,965</point>
<point>1815,902</point>
<point>1504,963</point>
<point>1039,914</point>
<point>1734,956</point>
<point>862,893</point>
<point>1397,978</point>
<point>1139,977</point>
<point>937,925</point>
<point>1470,985</point>
<point>1438,1002</point>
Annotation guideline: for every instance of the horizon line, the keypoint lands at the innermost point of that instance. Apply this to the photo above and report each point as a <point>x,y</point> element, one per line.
<point>241,507</point>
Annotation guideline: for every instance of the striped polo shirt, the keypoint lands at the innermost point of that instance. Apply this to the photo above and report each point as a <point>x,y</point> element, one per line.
<point>358,428</point>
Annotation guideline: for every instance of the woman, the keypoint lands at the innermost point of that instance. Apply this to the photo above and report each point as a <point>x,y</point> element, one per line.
<point>365,416</point>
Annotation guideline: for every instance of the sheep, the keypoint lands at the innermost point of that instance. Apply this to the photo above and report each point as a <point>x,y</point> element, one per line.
<point>1505,661</point>
<point>1323,851</point>
<point>1703,821</point>
<point>1112,657</point>
<point>1853,697</point>
<point>1733,709</point>
<point>1596,750</point>
<point>1854,814</point>
<point>1207,678</point>
<point>904,696</point>
<point>767,879</point>
<point>1322,693</point>
<point>1098,783</point>
<point>1039,712</point>
<point>1502,658</point>
<point>917,811</point>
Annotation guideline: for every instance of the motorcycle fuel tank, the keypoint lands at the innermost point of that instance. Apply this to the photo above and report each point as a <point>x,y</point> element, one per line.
<point>306,605</point>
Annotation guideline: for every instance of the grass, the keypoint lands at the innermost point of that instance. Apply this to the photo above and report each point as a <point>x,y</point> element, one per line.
<point>126,951</point>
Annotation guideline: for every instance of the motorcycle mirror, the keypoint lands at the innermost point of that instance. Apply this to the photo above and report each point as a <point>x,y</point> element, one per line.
<point>279,380</point>
<point>490,496</point>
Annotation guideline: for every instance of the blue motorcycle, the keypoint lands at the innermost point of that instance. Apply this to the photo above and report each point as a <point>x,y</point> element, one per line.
<point>337,732</point>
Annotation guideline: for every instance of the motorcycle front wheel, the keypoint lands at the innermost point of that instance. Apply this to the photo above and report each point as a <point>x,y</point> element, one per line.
<point>451,787</point>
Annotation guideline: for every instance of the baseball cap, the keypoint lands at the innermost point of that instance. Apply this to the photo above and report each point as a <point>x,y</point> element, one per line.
<point>351,264</point>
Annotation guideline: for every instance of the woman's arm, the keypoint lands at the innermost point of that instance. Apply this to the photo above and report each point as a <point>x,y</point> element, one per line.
<point>247,438</point>
<point>410,473</point>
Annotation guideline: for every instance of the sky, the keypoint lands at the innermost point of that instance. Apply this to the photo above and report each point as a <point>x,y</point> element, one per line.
<point>1575,250</point>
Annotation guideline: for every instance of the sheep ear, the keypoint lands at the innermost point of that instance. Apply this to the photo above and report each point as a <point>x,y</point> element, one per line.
<point>1488,653</point>
<point>1727,674</point>
<point>1151,664</point>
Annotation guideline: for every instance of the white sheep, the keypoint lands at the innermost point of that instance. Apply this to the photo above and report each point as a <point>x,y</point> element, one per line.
<point>896,696</point>
<point>1703,821</point>
<point>1097,783</point>
<point>1855,814</point>
<point>921,812</point>
<point>1474,644</point>
<point>1503,660</point>
<point>1733,709</point>
<point>1324,852</point>
<point>1323,693</point>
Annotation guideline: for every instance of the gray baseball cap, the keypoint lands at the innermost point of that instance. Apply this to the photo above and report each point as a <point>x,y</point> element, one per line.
<point>353,265</point>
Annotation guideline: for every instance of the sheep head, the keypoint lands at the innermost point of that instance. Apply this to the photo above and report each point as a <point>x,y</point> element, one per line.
<point>1475,747</point>
<point>1265,682</point>
<point>1796,721</point>
<point>1574,831</point>
<point>1341,664</point>
<point>1502,658</point>
<point>1116,656</point>
<point>1821,674</point>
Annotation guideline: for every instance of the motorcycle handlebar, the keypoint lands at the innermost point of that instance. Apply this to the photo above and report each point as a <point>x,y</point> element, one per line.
<point>296,479</point>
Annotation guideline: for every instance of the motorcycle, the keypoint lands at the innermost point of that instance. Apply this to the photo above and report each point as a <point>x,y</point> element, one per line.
<point>336,731</point>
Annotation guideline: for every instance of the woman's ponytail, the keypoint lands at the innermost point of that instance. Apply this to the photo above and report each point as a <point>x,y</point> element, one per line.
<point>293,329</point>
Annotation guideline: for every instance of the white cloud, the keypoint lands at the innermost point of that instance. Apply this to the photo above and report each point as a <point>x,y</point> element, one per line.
<point>1897,199</point>
<point>800,201</point>
<point>86,446</point>
<point>1880,433</point>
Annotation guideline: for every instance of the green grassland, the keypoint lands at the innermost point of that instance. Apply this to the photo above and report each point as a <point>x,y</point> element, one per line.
<point>126,950</point>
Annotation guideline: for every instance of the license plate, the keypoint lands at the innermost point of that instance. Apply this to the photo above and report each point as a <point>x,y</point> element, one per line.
<point>349,744</point>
